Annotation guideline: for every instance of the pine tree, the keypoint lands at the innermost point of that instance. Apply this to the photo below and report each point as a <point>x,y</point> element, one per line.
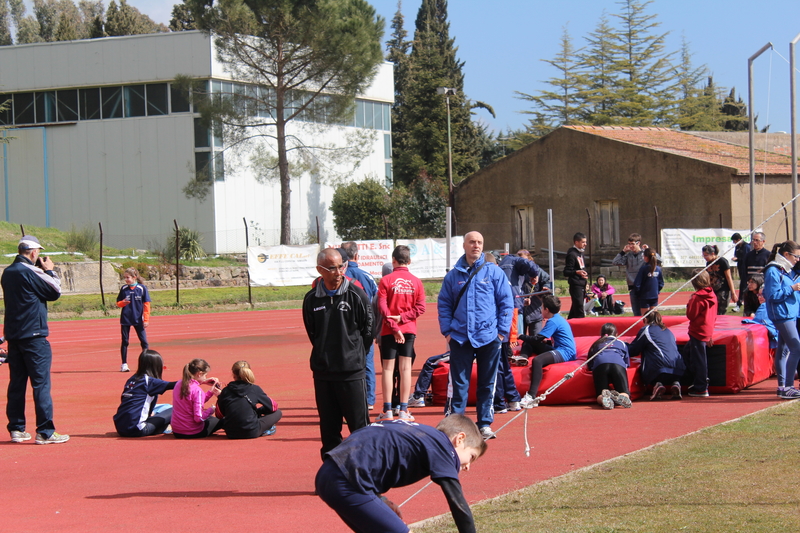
<point>69,26</point>
<point>646,94</point>
<point>735,113</point>
<point>5,24</point>
<point>600,63</point>
<point>182,19</point>
<point>566,104</point>
<point>433,64</point>
<point>397,49</point>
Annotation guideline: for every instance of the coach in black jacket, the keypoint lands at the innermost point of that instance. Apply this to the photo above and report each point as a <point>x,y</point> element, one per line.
<point>26,290</point>
<point>338,319</point>
<point>575,272</point>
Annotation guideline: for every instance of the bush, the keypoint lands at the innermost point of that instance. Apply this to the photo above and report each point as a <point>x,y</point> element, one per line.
<point>190,245</point>
<point>83,240</point>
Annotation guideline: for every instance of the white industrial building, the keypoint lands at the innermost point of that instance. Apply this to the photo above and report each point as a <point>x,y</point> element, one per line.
<point>101,135</point>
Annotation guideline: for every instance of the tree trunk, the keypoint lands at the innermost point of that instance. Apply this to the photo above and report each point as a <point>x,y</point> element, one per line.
<point>283,160</point>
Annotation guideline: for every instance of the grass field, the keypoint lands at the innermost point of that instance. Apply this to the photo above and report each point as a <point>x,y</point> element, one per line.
<point>731,477</point>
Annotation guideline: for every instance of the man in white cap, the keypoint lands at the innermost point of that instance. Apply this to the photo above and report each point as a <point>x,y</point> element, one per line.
<point>28,284</point>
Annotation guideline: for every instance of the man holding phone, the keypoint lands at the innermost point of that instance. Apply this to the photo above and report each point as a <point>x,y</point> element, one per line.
<point>28,284</point>
<point>632,258</point>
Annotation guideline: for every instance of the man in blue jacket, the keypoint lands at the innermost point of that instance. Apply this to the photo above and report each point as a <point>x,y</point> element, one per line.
<point>475,307</point>
<point>28,284</point>
<point>368,283</point>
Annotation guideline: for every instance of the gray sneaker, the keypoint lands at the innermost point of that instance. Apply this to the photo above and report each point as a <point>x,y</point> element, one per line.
<point>416,402</point>
<point>55,438</point>
<point>20,436</point>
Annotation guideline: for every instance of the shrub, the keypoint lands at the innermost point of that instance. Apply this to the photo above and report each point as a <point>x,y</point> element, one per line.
<point>190,245</point>
<point>83,240</point>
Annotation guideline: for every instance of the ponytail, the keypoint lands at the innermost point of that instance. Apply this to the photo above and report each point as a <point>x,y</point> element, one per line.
<point>651,259</point>
<point>195,366</point>
<point>606,330</point>
<point>783,248</point>
<point>242,372</point>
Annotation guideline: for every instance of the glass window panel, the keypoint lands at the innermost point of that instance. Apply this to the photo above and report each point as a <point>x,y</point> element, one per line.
<point>202,135</point>
<point>219,166</point>
<point>387,117</point>
<point>266,106</point>
<point>200,92</point>
<point>180,104</point>
<point>216,131</point>
<point>156,99</point>
<point>67,105</point>
<point>201,168</point>
<point>387,146</point>
<point>7,114</point>
<point>45,107</point>
<point>359,113</point>
<point>112,102</point>
<point>89,104</point>
<point>23,108</point>
<point>134,101</point>
<point>388,176</point>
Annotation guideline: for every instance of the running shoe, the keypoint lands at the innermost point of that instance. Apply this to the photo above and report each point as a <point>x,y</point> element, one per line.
<point>658,390</point>
<point>606,400</point>
<point>487,433</point>
<point>528,402</point>
<point>416,402</point>
<point>622,400</point>
<point>20,436</point>
<point>694,393</point>
<point>790,393</point>
<point>124,368</point>
<point>270,431</point>
<point>676,391</point>
<point>500,410</point>
<point>514,406</point>
<point>55,438</point>
<point>405,415</point>
<point>384,416</point>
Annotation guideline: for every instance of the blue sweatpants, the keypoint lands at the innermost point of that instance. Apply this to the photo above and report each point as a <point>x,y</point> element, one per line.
<point>487,358</point>
<point>363,513</point>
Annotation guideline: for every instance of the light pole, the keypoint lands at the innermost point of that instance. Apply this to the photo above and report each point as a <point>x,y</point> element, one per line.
<point>448,92</point>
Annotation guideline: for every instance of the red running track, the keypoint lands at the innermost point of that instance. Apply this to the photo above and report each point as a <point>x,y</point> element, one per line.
<point>100,482</point>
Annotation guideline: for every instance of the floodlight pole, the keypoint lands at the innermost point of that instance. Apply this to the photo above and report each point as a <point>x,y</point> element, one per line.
<point>448,92</point>
<point>793,107</point>
<point>751,138</point>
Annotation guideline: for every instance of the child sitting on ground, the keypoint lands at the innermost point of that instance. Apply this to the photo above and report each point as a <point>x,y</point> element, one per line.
<point>604,292</point>
<point>752,297</point>
<point>562,350</point>
<point>355,475</point>
<point>190,420</point>
<point>135,415</point>
<point>245,409</point>
<point>608,367</point>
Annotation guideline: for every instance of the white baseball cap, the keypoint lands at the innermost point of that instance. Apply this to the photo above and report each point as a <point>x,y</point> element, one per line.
<point>30,243</point>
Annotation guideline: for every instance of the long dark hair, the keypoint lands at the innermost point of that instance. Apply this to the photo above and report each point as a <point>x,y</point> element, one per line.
<point>195,366</point>
<point>606,330</point>
<point>654,319</point>
<point>783,248</point>
<point>604,286</point>
<point>651,259</point>
<point>150,364</point>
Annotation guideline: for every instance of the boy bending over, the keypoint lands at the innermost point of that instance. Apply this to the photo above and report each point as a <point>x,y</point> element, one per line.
<point>355,475</point>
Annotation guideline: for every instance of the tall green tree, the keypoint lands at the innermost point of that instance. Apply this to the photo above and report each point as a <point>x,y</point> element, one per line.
<point>422,146</point>
<point>296,57</point>
<point>182,19</point>
<point>647,82</point>
<point>5,24</point>
<point>735,113</point>
<point>397,53</point>
<point>598,59</point>
<point>566,103</point>
<point>27,27</point>
<point>127,20</point>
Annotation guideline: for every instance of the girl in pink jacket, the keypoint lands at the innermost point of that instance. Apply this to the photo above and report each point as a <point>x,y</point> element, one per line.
<point>190,420</point>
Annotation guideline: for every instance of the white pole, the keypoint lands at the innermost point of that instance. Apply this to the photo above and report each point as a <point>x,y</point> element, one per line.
<point>449,236</point>
<point>751,142</point>
<point>551,255</point>
<point>793,95</point>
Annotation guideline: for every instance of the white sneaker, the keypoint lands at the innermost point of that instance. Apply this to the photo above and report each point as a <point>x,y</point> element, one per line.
<point>514,406</point>
<point>487,433</point>
<point>20,436</point>
<point>528,402</point>
<point>416,402</point>
<point>124,368</point>
<point>384,416</point>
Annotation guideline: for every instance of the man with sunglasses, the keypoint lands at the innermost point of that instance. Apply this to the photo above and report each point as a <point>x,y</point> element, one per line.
<point>632,258</point>
<point>756,258</point>
<point>338,319</point>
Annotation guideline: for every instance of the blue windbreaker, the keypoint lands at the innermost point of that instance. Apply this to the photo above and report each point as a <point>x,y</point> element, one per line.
<point>780,298</point>
<point>485,310</point>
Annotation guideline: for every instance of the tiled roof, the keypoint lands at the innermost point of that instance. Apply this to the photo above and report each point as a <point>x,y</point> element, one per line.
<point>684,144</point>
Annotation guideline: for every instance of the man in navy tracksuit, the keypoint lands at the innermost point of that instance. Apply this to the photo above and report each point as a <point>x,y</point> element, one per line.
<point>475,322</point>
<point>28,284</point>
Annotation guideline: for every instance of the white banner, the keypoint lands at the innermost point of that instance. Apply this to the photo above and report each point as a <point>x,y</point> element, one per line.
<point>428,256</point>
<point>682,247</point>
<point>282,266</point>
<point>372,255</point>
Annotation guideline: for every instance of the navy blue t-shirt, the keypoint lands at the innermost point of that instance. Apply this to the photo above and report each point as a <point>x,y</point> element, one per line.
<point>137,401</point>
<point>133,313</point>
<point>396,453</point>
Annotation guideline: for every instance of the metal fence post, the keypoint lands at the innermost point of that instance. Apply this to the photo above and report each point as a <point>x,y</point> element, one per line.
<point>246,252</point>
<point>177,262</point>
<point>102,293</point>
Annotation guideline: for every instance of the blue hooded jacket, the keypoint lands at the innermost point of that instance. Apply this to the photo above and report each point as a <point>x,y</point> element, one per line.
<point>485,309</point>
<point>780,298</point>
<point>518,270</point>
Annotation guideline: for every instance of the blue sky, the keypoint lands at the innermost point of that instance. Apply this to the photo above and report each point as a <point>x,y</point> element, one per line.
<point>502,42</point>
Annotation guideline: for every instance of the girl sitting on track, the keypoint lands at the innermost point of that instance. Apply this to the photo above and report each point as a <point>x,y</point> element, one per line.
<point>245,409</point>
<point>135,416</point>
<point>609,368</point>
<point>605,295</point>
<point>648,282</point>
<point>189,419</point>
<point>661,361</point>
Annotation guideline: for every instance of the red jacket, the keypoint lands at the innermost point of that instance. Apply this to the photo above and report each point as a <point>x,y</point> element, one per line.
<point>702,314</point>
<point>401,293</point>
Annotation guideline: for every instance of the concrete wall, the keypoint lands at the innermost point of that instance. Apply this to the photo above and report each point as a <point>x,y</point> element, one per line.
<point>568,171</point>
